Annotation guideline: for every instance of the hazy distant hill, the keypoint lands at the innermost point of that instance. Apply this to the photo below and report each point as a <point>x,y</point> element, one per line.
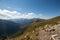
<point>32,30</point>
<point>25,22</point>
<point>8,27</point>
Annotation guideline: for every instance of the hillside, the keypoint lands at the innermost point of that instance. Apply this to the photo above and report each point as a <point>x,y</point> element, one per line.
<point>8,28</point>
<point>31,32</point>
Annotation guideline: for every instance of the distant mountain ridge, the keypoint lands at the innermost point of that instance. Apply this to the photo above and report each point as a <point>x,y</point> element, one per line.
<point>25,22</point>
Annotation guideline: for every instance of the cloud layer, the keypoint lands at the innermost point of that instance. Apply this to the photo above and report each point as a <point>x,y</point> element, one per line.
<point>7,14</point>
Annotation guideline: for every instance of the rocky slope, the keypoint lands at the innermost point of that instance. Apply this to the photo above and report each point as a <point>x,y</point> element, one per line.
<point>50,32</point>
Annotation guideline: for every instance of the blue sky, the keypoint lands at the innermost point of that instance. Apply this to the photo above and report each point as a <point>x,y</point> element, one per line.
<point>31,8</point>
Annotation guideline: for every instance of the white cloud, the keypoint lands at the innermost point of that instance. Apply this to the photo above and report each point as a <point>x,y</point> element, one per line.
<point>6,14</point>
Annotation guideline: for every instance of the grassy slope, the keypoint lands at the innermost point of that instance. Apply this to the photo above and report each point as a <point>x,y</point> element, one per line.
<point>31,32</point>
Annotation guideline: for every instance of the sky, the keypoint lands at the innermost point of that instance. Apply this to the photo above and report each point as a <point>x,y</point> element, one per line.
<point>45,9</point>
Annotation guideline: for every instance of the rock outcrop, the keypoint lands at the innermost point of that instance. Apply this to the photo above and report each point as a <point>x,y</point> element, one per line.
<point>50,32</point>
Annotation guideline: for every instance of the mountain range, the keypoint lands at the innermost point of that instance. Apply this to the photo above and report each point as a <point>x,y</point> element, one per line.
<point>25,22</point>
<point>28,31</point>
<point>31,32</point>
<point>10,27</point>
